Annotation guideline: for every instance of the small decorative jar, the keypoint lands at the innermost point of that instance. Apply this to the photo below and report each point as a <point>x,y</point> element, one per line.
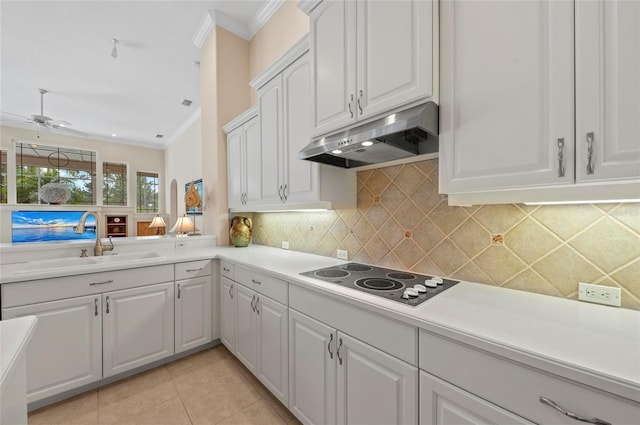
<point>240,231</point>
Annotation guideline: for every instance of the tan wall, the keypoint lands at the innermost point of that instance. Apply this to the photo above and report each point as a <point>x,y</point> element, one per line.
<point>224,76</point>
<point>403,222</point>
<point>281,32</point>
<point>138,159</point>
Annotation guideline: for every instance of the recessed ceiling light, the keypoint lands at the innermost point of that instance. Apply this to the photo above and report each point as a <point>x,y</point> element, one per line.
<point>114,134</point>
<point>186,102</point>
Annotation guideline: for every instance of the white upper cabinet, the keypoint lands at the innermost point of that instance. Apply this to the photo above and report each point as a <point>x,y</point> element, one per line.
<point>607,90</point>
<point>368,57</point>
<point>508,106</point>
<point>243,159</point>
<point>284,110</point>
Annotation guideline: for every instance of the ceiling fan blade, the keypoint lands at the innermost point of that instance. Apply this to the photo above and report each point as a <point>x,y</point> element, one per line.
<point>69,131</point>
<point>60,123</point>
<point>9,114</point>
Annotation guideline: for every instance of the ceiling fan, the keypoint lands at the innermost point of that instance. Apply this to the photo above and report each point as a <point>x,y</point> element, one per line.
<point>43,121</point>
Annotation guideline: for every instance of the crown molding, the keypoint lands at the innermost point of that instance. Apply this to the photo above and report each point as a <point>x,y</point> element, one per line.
<point>287,58</point>
<point>245,31</point>
<point>240,119</point>
<point>205,26</point>
<point>264,14</point>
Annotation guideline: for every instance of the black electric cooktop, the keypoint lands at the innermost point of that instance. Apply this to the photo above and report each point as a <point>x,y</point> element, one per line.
<point>405,287</point>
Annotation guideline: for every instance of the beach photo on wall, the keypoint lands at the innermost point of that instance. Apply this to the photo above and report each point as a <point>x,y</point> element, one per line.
<point>44,226</point>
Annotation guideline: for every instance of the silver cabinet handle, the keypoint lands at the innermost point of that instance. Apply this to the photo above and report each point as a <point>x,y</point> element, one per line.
<point>338,352</point>
<point>561,157</point>
<point>107,301</point>
<point>253,307</point>
<point>95,304</point>
<point>193,270</point>
<point>349,106</point>
<point>280,192</point>
<point>360,106</point>
<point>329,346</point>
<point>284,192</point>
<point>231,291</point>
<point>590,137</point>
<point>179,291</point>
<point>257,282</point>
<point>572,415</point>
<point>257,301</point>
<point>101,283</point>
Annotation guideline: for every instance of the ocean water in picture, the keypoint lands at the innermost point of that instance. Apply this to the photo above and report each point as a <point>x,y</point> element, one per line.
<point>43,226</point>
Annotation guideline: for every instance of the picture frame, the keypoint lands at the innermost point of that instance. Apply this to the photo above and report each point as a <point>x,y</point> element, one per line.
<point>195,210</point>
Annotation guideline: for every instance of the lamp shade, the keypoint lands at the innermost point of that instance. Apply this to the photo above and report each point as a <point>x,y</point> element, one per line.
<point>184,224</point>
<point>157,222</point>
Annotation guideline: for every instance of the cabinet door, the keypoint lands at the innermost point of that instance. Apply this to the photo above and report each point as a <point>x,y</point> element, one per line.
<point>245,325</point>
<point>444,404</point>
<point>235,168</point>
<point>65,351</point>
<point>607,90</point>
<point>301,177</point>
<point>270,107</point>
<point>227,313</point>
<point>272,342</point>
<point>507,98</point>
<point>395,54</point>
<point>193,313</point>
<point>138,327</point>
<point>362,367</point>
<point>252,161</point>
<point>312,369</point>
<point>333,65</point>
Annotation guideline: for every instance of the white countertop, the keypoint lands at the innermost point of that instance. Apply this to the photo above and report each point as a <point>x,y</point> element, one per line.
<point>15,334</point>
<point>593,344</point>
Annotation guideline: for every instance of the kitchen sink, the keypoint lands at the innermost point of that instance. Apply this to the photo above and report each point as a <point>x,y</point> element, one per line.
<point>81,262</point>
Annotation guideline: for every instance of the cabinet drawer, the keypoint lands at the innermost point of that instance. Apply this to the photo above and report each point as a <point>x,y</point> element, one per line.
<point>275,289</point>
<point>193,269</point>
<point>58,288</point>
<point>226,269</point>
<point>518,388</point>
<point>395,338</point>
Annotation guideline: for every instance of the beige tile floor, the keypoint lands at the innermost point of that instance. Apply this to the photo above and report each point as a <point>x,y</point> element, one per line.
<point>206,388</point>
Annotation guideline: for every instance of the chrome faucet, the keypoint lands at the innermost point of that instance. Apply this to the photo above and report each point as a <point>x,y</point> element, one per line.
<point>99,248</point>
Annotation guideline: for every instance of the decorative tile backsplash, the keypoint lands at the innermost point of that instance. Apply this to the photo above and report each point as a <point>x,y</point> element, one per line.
<point>401,221</point>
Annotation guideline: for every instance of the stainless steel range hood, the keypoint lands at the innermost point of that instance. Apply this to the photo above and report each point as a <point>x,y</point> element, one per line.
<point>403,134</point>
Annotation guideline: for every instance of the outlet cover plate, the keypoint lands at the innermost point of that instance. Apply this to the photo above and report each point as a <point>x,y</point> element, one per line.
<point>285,244</point>
<point>342,254</point>
<point>600,294</point>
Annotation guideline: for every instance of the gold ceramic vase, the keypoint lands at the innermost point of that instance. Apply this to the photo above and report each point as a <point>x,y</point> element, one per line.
<point>240,231</point>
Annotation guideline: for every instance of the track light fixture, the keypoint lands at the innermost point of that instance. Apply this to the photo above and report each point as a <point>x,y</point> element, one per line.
<point>114,51</point>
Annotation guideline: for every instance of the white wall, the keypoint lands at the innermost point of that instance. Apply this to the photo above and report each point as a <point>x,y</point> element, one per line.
<point>183,162</point>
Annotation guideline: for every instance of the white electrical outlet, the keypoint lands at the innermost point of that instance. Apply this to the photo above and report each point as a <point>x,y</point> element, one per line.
<point>600,294</point>
<point>342,254</point>
<point>285,244</point>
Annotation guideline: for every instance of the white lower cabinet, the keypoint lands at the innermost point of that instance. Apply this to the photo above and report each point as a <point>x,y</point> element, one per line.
<point>138,327</point>
<point>261,339</point>
<point>332,377</point>
<point>193,309</point>
<point>227,313</point>
<point>66,350</point>
<point>444,404</point>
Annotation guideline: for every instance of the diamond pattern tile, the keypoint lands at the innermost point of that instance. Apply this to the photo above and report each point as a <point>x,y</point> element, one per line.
<point>547,249</point>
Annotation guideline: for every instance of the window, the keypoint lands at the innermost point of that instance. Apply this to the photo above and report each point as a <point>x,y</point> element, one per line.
<point>147,189</point>
<point>37,165</point>
<point>3,177</point>
<point>114,183</point>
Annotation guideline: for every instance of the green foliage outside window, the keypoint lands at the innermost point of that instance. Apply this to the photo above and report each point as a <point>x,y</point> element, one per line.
<point>114,184</point>
<point>3,177</point>
<point>147,190</point>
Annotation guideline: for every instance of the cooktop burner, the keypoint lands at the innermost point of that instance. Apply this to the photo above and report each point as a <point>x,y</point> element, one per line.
<point>408,288</point>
